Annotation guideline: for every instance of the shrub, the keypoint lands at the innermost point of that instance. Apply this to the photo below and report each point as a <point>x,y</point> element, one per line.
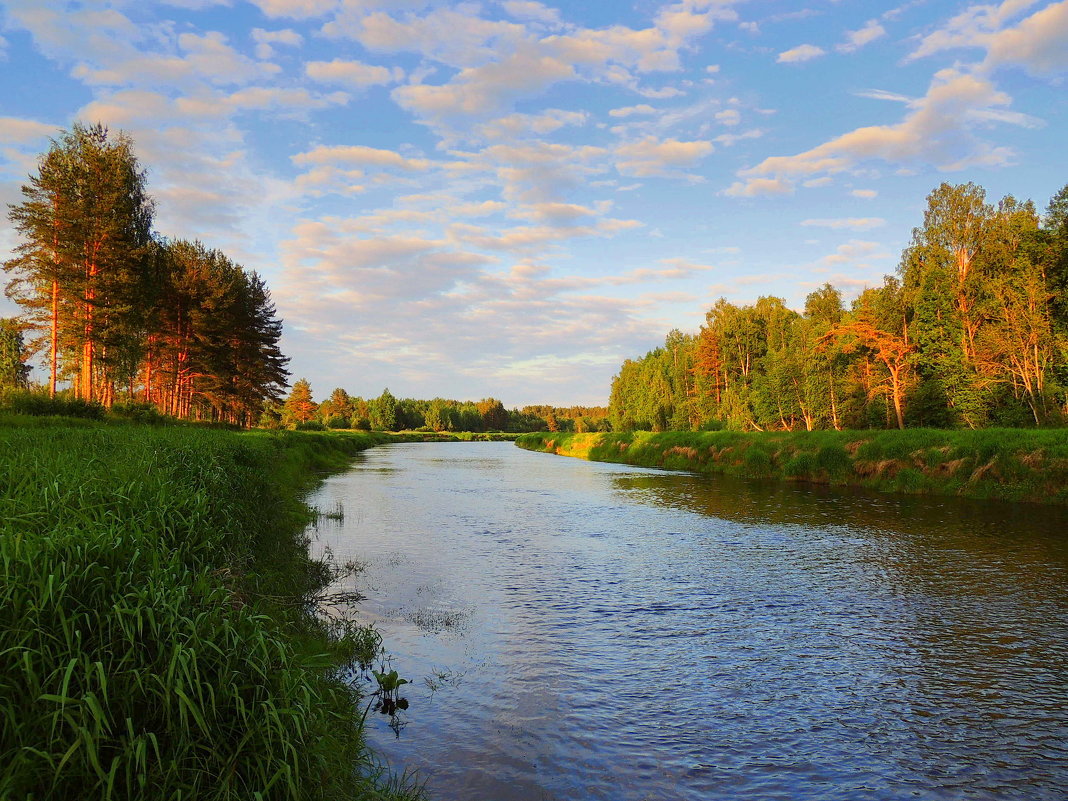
<point>138,412</point>
<point>24,401</point>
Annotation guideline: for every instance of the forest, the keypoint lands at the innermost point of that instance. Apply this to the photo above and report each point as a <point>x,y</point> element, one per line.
<point>972,332</point>
<point>123,315</point>
<point>388,413</point>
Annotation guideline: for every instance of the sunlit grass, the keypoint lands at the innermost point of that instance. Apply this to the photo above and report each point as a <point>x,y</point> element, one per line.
<point>1015,464</point>
<point>155,641</point>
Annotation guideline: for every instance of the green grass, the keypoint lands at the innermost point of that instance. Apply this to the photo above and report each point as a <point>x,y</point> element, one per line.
<point>156,641</point>
<point>1013,464</point>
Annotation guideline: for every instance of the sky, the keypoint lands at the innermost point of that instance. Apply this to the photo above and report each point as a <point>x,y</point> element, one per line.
<point>508,198</point>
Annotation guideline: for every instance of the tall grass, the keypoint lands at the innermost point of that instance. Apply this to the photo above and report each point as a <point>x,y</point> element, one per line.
<point>1013,464</point>
<point>155,642</point>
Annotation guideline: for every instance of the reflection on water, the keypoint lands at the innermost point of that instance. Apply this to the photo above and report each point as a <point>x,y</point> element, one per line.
<point>587,631</point>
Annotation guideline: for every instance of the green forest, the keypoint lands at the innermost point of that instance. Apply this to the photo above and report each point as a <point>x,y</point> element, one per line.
<point>972,332</point>
<point>388,413</point>
<point>121,314</point>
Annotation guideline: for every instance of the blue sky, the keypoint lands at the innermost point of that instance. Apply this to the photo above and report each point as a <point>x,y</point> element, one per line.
<point>510,197</point>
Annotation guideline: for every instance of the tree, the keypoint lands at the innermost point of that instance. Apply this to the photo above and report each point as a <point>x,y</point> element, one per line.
<point>384,411</point>
<point>889,348</point>
<point>86,225</point>
<point>14,373</point>
<point>299,406</point>
<point>494,415</point>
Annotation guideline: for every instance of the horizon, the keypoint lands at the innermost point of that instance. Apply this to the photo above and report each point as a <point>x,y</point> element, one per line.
<point>508,199</point>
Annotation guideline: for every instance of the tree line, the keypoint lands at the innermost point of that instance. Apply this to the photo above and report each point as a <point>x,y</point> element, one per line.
<point>388,413</point>
<point>971,332</point>
<point>119,313</point>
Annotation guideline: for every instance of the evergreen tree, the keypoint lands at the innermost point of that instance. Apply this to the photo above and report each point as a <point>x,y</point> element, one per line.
<point>14,373</point>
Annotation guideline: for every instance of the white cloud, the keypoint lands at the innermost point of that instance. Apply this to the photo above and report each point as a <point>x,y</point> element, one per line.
<point>514,126</point>
<point>1039,44</point>
<point>866,194</point>
<point>805,52</point>
<point>971,28</point>
<point>264,39</point>
<point>15,130</point>
<point>851,223</point>
<point>855,252</point>
<point>352,73</point>
<point>937,130</point>
<point>728,116</point>
<point>628,111</point>
<point>755,187</point>
<point>665,157</point>
<point>295,9</point>
<point>358,154</point>
<point>880,94</point>
<point>529,10</point>
<point>858,38</point>
<point>479,90</point>
<point>727,140</point>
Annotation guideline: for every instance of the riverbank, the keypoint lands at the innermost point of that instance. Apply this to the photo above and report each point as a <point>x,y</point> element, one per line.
<point>157,640</point>
<point>1011,464</point>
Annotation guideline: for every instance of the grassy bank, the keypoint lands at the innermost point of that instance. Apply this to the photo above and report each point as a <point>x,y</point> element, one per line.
<point>155,641</point>
<point>1013,464</point>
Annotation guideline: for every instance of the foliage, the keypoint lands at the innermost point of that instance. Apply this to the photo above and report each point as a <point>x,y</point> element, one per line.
<point>119,312</point>
<point>14,373</point>
<point>972,332</point>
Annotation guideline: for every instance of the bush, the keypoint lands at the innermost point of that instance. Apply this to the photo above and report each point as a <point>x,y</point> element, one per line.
<point>138,412</point>
<point>24,401</point>
<point>309,425</point>
<point>338,421</point>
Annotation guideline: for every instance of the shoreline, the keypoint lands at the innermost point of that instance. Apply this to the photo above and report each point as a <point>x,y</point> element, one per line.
<point>1006,464</point>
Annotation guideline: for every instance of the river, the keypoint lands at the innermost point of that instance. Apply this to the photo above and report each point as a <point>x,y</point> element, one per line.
<point>577,630</point>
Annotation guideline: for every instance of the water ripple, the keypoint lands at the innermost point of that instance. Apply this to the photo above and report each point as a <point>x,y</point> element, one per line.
<point>625,634</point>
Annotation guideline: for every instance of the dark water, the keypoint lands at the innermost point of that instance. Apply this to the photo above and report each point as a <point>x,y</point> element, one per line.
<point>595,631</point>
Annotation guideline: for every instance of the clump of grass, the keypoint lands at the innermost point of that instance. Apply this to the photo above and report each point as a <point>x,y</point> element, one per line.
<point>757,461</point>
<point>834,459</point>
<point>154,643</point>
<point>800,466</point>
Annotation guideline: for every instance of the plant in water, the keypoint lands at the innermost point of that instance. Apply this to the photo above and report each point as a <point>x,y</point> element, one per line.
<point>387,698</point>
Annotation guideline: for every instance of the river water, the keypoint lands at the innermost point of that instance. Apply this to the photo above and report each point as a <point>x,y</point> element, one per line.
<point>577,630</point>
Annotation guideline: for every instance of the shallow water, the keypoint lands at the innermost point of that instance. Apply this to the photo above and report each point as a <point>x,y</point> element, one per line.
<point>578,630</point>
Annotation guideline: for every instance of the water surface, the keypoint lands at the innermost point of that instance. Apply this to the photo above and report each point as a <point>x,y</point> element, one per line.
<point>578,630</point>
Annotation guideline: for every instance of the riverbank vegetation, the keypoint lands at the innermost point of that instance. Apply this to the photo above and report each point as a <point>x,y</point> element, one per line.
<point>157,640</point>
<point>1013,464</point>
<point>122,314</point>
<point>388,413</point>
<point>972,332</point>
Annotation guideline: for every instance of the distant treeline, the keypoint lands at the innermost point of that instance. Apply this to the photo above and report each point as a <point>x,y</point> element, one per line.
<point>122,314</point>
<point>387,413</point>
<point>972,332</point>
